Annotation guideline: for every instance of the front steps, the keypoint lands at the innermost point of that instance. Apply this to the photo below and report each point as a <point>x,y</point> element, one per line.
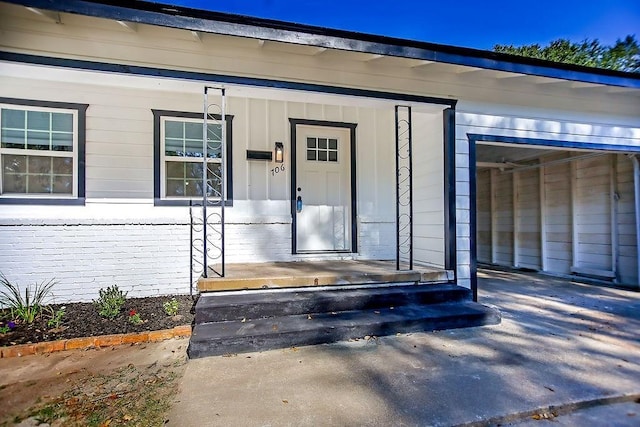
<point>250,321</point>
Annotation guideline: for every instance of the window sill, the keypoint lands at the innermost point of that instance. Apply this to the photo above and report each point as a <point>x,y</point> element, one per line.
<point>188,202</point>
<point>78,201</point>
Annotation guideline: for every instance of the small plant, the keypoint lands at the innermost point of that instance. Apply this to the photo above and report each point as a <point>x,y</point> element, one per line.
<point>7,327</point>
<point>55,317</point>
<point>110,302</point>
<point>25,308</point>
<point>134,318</point>
<point>171,307</point>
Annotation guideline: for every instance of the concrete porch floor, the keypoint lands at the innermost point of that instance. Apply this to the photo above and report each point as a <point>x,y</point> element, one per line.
<point>317,273</point>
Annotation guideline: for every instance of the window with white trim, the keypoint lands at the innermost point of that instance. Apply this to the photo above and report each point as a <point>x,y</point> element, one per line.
<point>180,156</point>
<point>38,151</point>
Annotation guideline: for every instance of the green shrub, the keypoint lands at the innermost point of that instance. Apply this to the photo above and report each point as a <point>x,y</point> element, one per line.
<point>110,302</point>
<point>171,307</point>
<point>55,317</point>
<point>25,308</point>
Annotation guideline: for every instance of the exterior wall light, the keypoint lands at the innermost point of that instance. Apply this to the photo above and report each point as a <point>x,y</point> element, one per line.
<point>279,152</point>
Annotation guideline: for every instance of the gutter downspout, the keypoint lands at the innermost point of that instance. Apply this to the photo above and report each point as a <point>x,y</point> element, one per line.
<point>636,186</point>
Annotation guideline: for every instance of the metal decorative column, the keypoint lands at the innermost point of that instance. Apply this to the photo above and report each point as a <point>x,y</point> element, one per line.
<point>207,214</point>
<point>404,189</point>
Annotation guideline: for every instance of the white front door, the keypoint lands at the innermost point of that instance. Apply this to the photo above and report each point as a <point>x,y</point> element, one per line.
<point>323,186</point>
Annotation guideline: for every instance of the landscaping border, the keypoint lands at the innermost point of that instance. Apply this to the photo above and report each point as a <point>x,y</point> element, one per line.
<point>98,341</point>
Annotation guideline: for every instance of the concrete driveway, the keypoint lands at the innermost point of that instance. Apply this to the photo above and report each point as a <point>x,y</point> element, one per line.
<point>561,347</point>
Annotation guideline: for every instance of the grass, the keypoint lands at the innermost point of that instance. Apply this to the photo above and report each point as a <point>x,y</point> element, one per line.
<point>130,395</point>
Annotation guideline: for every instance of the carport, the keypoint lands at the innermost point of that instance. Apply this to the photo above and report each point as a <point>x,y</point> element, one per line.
<point>558,207</point>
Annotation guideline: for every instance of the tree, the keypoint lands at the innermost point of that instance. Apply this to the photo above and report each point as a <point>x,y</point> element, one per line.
<point>624,55</point>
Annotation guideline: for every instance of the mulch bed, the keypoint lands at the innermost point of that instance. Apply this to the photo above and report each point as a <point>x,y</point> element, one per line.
<point>83,320</point>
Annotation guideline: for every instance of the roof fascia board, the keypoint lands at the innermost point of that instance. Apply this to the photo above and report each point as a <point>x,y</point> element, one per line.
<point>539,142</point>
<point>168,16</point>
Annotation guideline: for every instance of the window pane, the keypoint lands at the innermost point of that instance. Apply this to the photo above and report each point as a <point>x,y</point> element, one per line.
<point>174,147</point>
<point>62,184</point>
<point>333,156</point>
<point>174,169</point>
<point>12,138</point>
<point>322,143</point>
<point>311,143</point>
<point>13,119</point>
<point>193,188</point>
<point>333,144</point>
<point>214,149</point>
<point>215,182</point>
<point>193,130</point>
<point>214,132</point>
<point>322,156</point>
<point>311,154</point>
<point>184,179</point>
<point>62,141</point>
<point>39,165</point>
<point>173,129</point>
<point>62,122</point>
<point>193,148</point>
<point>193,170</point>
<point>37,130</point>
<point>38,120</point>
<point>14,164</point>
<point>63,165</point>
<point>175,188</point>
<point>39,184</point>
<point>37,140</point>
<point>13,183</point>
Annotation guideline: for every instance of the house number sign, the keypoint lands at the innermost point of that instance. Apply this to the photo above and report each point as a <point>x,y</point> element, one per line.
<point>277,170</point>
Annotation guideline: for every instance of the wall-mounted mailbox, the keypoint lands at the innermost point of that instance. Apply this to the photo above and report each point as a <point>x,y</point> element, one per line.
<point>259,155</point>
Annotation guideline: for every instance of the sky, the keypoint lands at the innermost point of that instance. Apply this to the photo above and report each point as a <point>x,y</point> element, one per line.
<point>477,24</point>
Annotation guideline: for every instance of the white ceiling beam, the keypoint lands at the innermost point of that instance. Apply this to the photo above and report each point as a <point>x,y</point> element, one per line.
<point>495,165</point>
<point>131,26</point>
<point>421,63</point>
<point>52,16</point>
<point>620,89</point>
<point>373,59</point>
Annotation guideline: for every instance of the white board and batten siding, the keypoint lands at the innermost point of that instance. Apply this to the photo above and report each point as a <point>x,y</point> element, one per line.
<point>563,217</point>
<point>121,237</point>
<point>428,190</point>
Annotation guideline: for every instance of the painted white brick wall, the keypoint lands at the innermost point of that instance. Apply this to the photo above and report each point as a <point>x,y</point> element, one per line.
<point>142,259</point>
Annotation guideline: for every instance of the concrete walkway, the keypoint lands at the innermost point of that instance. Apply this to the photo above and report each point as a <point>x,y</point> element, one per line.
<point>563,345</point>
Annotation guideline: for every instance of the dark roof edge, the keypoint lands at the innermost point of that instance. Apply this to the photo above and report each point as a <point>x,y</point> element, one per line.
<point>266,29</point>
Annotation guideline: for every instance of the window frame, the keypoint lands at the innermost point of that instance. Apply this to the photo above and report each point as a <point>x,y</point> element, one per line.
<point>78,153</point>
<point>159,157</point>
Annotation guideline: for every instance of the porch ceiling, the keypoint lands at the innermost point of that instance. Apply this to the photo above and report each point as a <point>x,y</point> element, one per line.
<point>196,87</point>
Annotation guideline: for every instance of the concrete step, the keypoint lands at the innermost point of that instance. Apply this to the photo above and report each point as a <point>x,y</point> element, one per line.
<point>213,307</point>
<point>237,336</point>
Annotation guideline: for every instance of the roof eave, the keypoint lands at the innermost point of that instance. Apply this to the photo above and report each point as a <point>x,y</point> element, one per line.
<point>279,31</point>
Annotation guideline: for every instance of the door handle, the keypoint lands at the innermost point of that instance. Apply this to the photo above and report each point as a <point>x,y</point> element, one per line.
<point>299,204</point>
